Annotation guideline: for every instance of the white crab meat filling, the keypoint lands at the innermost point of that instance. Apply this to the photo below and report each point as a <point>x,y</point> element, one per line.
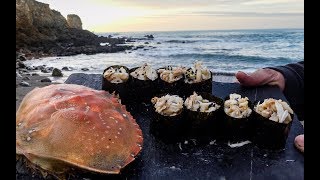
<point>197,73</point>
<point>168,105</point>
<point>116,75</point>
<point>195,102</point>
<point>275,110</point>
<point>237,107</point>
<point>145,72</point>
<point>171,74</point>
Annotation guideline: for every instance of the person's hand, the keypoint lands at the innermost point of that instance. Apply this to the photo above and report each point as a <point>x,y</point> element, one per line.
<point>268,77</point>
<point>261,77</point>
<point>299,142</point>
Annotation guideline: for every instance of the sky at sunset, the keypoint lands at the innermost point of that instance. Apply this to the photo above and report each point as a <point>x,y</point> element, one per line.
<point>170,15</point>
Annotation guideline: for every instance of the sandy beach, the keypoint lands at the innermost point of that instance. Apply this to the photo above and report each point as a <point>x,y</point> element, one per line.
<point>21,91</point>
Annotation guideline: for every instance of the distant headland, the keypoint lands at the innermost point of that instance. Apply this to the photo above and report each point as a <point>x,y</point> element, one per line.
<point>41,31</point>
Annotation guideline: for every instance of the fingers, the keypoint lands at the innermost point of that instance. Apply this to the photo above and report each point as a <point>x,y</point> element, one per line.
<point>299,142</point>
<point>248,80</point>
<point>261,77</point>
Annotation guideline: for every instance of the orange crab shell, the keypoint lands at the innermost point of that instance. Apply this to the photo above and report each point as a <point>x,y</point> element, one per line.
<point>75,125</point>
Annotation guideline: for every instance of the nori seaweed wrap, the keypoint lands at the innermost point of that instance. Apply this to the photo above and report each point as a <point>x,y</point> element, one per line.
<point>236,125</point>
<point>171,79</point>
<point>143,84</point>
<point>203,113</point>
<point>271,128</point>
<point>116,79</point>
<point>197,78</point>
<point>167,117</point>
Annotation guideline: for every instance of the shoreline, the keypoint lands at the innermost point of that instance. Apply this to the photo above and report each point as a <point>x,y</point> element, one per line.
<point>35,81</point>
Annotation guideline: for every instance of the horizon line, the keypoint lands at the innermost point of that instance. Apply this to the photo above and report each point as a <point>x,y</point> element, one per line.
<point>240,29</point>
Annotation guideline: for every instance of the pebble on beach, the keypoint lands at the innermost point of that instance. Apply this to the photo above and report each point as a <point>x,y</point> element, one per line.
<point>24,84</point>
<point>45,80</point>
<point>26,78</point>
<point>66,68</point>
<point>57,72</point>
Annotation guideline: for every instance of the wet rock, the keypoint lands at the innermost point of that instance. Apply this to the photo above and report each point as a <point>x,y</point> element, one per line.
<point>29,68</point>
<point>23,71</point>
<point>130,40</point>
<point>158,42</point>
<point>21,64</point>
<point>146,43</point>
<point>35,74</point>
<point>57,72</point>
<point>45,80</point>
<point>149,36</point>
<point>66,68</point>
<point>45,70</point>
<point>50,68</point>
<point>18,75</point>
<point>22,58</point>
<point>84,69</point>
<point>138,47</point>
<point>38,67</point>
<point>24,84</point>
<point>26,78</point>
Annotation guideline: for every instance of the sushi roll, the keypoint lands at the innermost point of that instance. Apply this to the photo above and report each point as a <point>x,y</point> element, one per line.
<point>168,117</point>
<point>171,79</point>
<point>203,111</point>
<point>197,78</point>
<point>143,84</point>
<point>272,123</point>
<point>236,126</point>
<point>116,79</point>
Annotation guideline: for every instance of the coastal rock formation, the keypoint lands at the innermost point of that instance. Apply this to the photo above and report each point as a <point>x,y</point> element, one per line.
<point>74,21</point>
<point>41,31</point>
<point>35,21</point>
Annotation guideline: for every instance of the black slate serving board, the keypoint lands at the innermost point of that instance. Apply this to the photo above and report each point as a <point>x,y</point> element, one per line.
<point>187,159</point>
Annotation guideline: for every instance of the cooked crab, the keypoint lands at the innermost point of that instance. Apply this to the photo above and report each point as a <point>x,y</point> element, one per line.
<point>237,106</point>
<point>275,110</point>
<point>168,105</point>
<point>196,102</point>
<point>197,73</point>
<point>64,125</point>
<point>116,75</point>
<point>171,74</point>
<point>145,72</point>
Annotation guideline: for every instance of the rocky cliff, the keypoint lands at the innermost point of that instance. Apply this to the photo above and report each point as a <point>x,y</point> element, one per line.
<point>74,21</point>
<point>41,30</point>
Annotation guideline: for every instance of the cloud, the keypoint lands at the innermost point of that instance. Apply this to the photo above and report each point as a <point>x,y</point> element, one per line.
<point>243,14</point>
<point>271,2</point>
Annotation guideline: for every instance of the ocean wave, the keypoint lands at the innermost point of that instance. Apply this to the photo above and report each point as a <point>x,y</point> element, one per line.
<point>193,41</point>
<point>226,57</point>
<point>180,41</point>
<point>222,73</point>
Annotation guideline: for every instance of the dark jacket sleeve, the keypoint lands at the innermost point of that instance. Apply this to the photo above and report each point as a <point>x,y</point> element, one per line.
<point>294,87</point>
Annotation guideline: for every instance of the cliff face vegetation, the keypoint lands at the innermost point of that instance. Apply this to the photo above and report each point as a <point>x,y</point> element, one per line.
<point>40,29</point>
